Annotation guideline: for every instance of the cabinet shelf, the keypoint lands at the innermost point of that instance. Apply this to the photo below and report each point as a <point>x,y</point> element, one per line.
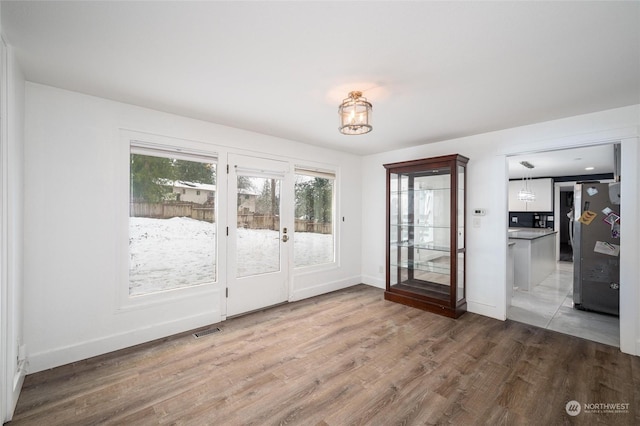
<point>424,288</point>
<point>425,262</point>
<point>424,266</point>
<point>419,225</point>
<point>420,246</point>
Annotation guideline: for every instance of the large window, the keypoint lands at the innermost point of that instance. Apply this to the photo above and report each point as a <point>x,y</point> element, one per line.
<point>172,220</point>
<point>314,218</point>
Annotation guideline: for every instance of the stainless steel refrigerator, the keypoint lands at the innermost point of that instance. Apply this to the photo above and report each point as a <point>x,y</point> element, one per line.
<point>596,247</point>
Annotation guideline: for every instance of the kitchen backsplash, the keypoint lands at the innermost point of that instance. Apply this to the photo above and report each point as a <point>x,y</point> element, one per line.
<point>531,220</point>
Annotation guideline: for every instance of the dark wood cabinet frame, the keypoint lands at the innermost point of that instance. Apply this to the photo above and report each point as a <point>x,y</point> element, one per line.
<point>430,296</point>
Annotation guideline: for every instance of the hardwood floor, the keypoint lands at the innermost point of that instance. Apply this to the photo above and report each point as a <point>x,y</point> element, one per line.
<point>348,357</point>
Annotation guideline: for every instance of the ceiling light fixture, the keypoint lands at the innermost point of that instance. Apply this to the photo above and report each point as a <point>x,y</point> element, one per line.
<point>526,194</point>
<point>355,115</point>
<point>589,168</point>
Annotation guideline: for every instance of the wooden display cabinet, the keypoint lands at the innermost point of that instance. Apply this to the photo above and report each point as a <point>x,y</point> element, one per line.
<point>426,234</point>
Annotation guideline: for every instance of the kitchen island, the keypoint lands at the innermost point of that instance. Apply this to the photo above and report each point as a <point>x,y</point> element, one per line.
<point>534,255</point>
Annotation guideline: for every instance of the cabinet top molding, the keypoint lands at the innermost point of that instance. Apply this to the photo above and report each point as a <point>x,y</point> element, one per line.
<point>430,160</point>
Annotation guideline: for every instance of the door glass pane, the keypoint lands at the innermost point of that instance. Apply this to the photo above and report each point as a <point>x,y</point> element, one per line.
<point>172,230</point>
<point>395,229</point>
<point>258,236</point>
<point>461,219</point>
<point>420,233</point>
<point>313,242</point>
<point>460,291</point>
<point>461,207</point>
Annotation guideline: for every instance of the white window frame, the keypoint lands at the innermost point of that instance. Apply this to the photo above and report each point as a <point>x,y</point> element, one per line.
<point>168,147</point>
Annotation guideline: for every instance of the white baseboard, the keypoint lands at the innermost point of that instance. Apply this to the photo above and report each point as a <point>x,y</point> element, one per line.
<point>623,348</point>
<point>490,311</point>
<point>325,288</point>
<point>87,349</point>
<point>374,281</point>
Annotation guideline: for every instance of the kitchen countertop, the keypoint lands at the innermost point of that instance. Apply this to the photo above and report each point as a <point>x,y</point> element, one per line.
<point>530,233</point>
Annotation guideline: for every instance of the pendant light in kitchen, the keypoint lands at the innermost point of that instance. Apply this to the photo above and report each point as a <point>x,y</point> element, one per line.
<point>526,194</point>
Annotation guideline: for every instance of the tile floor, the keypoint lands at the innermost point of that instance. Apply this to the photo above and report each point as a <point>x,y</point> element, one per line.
<point>550,305</point>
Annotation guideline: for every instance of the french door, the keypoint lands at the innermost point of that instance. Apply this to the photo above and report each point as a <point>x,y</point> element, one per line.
<point>260,233</point>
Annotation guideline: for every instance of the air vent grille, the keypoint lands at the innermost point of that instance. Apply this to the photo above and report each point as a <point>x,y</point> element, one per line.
<point>206,332</point>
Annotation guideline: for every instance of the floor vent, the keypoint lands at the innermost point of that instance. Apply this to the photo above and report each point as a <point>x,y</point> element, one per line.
<point>206,332</point>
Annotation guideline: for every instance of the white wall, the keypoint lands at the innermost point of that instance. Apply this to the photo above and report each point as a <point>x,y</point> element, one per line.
<point>12,156</point>
<point>487,188</point>
<point>74,239</point>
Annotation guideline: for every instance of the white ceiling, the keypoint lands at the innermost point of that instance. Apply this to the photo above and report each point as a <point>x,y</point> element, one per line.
<point>433,70</point>
<point>566,162</point>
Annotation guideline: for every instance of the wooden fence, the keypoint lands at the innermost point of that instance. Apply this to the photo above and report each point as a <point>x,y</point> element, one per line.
<point>254,221</point>
<point>168,210</point>
<point>315,227</point>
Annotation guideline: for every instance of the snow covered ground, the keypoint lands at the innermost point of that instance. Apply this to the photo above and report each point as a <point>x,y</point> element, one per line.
<point>312,249</point>
<point>170,253</point>
<point>181,252</point>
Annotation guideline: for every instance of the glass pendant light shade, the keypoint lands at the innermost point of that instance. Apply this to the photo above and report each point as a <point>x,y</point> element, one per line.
<point>526,194</point>
<point>355,115</point>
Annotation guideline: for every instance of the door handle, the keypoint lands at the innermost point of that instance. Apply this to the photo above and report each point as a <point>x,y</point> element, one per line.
<point>285,238</point>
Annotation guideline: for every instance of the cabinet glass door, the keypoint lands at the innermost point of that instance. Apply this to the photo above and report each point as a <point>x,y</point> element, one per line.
<point>420,232</point>
<point>461,247</point>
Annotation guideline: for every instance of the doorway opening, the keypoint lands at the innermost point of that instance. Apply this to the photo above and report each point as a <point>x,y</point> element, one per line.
<point>550,302</point>
<point>565,221</point>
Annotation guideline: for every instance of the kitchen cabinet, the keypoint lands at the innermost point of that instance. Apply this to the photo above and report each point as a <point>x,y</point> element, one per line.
<point>542,188</point>
<point>534,256</point>
<point>425,234</point>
